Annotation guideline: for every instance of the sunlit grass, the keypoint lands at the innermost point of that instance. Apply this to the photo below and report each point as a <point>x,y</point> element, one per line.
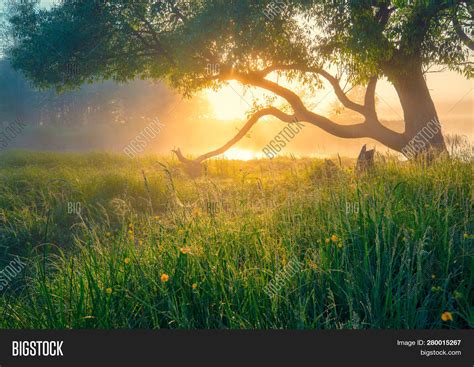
<point>389,249</point>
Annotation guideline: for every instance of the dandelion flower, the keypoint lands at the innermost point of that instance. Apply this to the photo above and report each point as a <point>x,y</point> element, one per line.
<point>447,316</point>
<point>140,242</point>
<point>165,277</point>
<point>194,286</point>
<point>108,291</point>
<point>185,250</point>
<point>334,238</point>
<point>126,261</point>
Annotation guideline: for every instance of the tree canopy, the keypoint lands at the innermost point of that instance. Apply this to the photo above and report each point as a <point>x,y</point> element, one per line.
<point>177,40</point>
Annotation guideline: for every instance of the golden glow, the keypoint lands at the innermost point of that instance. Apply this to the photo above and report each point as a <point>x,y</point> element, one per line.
<point>229,102</point>
<point>241,154</point>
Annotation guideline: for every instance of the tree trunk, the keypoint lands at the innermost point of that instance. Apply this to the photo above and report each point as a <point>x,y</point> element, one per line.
<point>422,128</point>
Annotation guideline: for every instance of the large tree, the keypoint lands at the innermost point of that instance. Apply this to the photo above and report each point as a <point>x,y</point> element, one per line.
<point>201,44</point>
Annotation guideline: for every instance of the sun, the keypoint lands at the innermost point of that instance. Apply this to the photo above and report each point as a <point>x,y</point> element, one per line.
<point>229,102</point>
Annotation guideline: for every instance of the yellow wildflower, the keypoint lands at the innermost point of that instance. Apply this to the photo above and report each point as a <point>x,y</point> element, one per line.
<point>334,238</point>
<point>126,261</point>
<point>131,234</point>
<point>165,277</point>
<point>108,291</point>
<point>194,286</point>
<point>447,316</point>
<point>185,250</point>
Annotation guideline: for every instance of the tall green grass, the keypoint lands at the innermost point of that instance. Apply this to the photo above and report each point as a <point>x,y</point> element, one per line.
<point>392,248</point>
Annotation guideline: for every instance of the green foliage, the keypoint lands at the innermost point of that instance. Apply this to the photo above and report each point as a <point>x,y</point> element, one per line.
<point>399,260</point>
<point>177,40</point>
<point>392,37</point>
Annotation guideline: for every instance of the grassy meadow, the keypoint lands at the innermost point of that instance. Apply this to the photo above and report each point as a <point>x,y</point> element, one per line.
<point>152,248</point>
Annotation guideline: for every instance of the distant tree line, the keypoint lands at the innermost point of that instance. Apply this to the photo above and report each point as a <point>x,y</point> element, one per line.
<point>97,103</point>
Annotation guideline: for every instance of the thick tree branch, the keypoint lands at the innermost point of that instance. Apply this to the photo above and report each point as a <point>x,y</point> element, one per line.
<point>340,94</point>
<point>301,112</point>
<point>370,128</point>
<point>369,99</point>
<point>376,131</point>
<point>270,111</point>
<point>255,80</point>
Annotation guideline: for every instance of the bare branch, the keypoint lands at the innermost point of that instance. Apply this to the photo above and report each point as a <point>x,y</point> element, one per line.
<point>371,127</point>
<point>245,129</point>
<point>341,95</point>
<point>270,111</point>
